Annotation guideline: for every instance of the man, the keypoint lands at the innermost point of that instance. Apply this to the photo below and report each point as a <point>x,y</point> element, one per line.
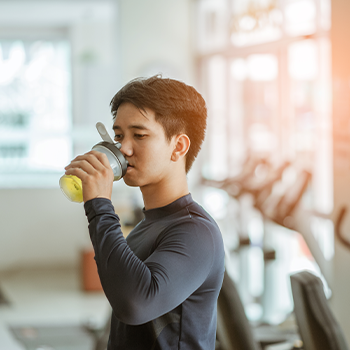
<point>164,279</point>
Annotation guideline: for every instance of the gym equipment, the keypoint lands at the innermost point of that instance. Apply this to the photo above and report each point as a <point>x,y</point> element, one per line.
<point>318,327</point>
<point>3,299</point>
<point>234,331</point>
<point>345,241</point>
<point>279,207</point>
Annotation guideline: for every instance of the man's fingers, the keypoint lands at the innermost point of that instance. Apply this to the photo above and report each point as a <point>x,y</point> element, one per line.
<point>81,174</point>
<point>83,164</point>
<point>95,172</point>
<point>90,162</point>
<point>101,157</point>
<point>92,166</point>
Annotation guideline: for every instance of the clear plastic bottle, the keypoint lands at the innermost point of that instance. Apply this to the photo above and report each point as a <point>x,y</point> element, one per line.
<point>72,187</point>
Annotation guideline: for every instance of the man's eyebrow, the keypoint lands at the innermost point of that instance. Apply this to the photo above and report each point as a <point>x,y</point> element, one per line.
<point>139,127</point>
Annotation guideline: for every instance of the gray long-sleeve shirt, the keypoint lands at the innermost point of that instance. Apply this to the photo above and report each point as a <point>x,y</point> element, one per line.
<point>164,279</point>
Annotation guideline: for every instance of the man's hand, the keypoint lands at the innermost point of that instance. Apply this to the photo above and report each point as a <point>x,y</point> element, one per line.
<point>95,173</point>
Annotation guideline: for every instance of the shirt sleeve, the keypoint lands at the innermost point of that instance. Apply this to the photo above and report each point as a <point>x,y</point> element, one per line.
<point>140,291</point>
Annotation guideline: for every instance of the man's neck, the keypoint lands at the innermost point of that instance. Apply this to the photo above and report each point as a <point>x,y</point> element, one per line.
<point>164,193</point>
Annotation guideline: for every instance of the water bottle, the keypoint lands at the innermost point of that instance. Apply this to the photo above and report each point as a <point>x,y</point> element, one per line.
<point>71,185</point>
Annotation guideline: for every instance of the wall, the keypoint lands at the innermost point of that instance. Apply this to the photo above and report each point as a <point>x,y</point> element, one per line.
<point>155,36</point>
<point>40,227</point>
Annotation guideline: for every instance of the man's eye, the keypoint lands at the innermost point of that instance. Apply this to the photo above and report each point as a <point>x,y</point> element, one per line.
<point>140,136</point>
<point>117,137</point>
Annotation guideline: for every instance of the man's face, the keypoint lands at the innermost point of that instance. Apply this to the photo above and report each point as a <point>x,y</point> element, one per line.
<point>144,145</point>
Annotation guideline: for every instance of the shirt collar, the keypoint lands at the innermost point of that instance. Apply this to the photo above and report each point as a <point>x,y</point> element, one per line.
<point>161,212</point>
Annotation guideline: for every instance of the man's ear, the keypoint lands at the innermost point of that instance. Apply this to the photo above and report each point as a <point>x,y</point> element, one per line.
<point>181,147</point>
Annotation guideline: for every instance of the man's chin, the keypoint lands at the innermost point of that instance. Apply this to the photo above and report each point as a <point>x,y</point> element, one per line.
<point>129,182</point>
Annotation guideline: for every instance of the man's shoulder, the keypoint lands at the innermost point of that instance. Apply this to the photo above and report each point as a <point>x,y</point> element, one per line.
<point>198,212</point>
<point>193,219</point>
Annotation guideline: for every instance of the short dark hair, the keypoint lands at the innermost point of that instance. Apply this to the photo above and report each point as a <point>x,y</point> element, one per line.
<point>178,107</point>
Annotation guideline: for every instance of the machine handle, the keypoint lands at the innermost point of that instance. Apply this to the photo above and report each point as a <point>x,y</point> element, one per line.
<point>338,233</point>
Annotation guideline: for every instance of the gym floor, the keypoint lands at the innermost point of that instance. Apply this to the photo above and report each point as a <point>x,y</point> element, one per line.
<point>38,298</point>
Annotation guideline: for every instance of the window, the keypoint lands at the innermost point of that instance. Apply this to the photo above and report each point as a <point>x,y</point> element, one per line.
<point>267,82</point>
<point>35,111</point>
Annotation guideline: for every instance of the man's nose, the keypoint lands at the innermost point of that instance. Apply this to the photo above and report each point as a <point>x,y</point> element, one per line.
<point>126,148</point>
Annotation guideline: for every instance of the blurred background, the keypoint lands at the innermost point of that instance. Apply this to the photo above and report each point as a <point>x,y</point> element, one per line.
<point>274,170</point>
